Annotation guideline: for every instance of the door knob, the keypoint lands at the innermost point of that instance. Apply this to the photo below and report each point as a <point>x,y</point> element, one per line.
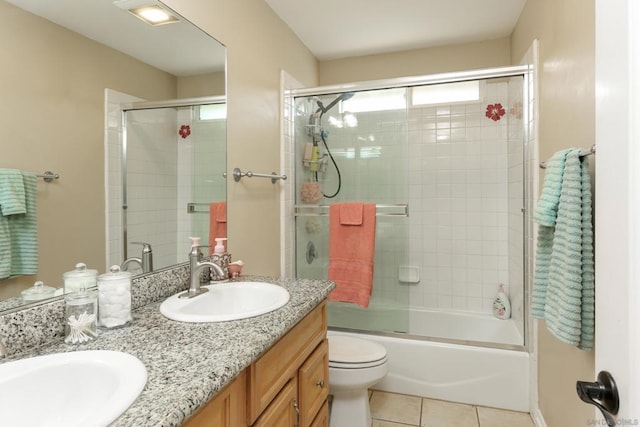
<point>603,394</point>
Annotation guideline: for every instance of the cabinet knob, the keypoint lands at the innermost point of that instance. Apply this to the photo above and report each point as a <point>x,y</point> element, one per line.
<point>320,383</point>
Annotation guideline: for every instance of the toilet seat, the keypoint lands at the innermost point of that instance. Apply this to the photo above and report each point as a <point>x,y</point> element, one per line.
<point>354,353</point>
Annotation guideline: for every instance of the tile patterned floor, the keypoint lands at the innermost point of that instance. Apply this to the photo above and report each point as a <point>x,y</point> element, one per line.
<point>399,410</point>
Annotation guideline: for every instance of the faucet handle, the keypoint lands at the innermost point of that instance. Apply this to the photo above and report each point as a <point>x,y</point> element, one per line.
<point>146,247</point>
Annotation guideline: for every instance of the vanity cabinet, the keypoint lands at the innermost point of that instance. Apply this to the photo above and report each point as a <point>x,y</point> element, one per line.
<point>227,409</point>
<point>287,386</point>
<point>300,358</point>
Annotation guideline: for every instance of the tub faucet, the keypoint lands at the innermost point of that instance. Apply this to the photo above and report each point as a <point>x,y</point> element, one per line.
<point>195,266</point>
<point>145,262</point>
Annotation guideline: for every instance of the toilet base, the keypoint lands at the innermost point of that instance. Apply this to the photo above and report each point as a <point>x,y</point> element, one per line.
<point>350,408</point>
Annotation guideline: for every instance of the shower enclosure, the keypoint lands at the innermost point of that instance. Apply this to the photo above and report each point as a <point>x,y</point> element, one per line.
<point>167,164</point>
<point>443,158</point>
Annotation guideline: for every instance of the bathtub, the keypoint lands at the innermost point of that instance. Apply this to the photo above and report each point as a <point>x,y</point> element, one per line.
<point>456,371</point>
<point>385,315</point>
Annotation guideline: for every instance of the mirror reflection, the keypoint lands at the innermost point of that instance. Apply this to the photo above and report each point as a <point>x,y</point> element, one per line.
<point>164,180</point>
<point>75,72</point>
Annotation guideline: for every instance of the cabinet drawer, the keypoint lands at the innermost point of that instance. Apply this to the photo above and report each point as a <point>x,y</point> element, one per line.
<point>282,411</point>
<point>280,363</point>
<point>313,383</point>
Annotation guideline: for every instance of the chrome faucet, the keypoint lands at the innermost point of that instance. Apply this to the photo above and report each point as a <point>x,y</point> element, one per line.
<point>145,262</point>
<point>195,266</point>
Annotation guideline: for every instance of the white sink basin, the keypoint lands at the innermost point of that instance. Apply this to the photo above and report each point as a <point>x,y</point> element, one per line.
<point>226,301</point>
<point>79,388</point>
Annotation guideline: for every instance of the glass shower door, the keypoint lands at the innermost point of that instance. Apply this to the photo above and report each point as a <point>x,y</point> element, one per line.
<point>353,148</point>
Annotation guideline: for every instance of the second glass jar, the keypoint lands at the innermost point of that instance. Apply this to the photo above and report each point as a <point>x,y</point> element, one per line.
<point>114,298</point>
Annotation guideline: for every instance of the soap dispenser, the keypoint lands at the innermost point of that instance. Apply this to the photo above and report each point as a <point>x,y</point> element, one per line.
<point>501,304</point>
<point>195,243</point>
<point>221,258</point>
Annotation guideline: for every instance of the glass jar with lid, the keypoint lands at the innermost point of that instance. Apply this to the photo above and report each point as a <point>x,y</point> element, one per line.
<point>81,316</point>
<point>114,298</point>
<point>37,292</point>
<point>79,279</point>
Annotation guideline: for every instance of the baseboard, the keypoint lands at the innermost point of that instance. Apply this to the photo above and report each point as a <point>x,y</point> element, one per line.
<point>537,417</point>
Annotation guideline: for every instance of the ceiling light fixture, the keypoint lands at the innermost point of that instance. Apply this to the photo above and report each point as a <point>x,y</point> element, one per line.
<point>147,11</point>
<point>153,15</point>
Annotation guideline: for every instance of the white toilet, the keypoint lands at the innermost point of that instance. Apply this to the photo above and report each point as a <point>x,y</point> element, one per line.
<point>354,365</point>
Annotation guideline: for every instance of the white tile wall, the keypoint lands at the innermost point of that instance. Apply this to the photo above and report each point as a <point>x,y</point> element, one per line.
<point>461,176</point>
<point>152,150</point>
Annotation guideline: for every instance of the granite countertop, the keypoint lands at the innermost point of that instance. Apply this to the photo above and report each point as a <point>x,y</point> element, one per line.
<point>188,363</point>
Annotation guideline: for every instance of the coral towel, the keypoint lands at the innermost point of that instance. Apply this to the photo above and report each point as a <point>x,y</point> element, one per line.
<point>217,223</point>
<point>352,235</point>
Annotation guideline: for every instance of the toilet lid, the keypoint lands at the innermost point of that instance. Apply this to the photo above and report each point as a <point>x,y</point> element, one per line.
<point>355,352</point>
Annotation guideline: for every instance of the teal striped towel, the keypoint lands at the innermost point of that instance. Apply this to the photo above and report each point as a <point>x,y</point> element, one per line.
<point>12,196</point>
<point>564,266</point>
<point>545,214</point>
<point>547,207</point>
<point>18,231</point>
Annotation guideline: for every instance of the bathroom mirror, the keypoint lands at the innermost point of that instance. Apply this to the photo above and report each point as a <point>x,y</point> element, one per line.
<point>62,59</point>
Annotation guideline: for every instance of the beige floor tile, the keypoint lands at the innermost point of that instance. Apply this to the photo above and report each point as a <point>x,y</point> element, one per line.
<point>380,423</point>
<point>437,413</point>
<point>397,408</point>
<point>491,417</point>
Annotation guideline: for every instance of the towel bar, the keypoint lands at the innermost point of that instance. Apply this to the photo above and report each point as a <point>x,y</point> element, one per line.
<point>48,176</point>
<point>323,210</point>
<point>583,153</point>
<point>238,174</point>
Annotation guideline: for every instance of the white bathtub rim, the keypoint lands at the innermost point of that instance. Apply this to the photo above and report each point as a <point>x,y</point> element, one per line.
<point>436,341</point>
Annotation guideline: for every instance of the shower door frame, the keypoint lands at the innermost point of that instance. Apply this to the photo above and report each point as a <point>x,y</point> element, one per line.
<point>524,71</point>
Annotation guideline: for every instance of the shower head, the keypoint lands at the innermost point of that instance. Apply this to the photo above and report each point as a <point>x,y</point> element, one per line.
<point>342,97</point>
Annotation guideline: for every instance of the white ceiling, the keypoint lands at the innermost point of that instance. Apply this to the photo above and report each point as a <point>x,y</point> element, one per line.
<point>334,29</point>
<point>181,49</point>
<point>329,28</point>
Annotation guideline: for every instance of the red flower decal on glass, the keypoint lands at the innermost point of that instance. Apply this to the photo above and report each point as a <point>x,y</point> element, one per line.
<point>516,110</point>
<point>495,111</point>
<point>185,131</point>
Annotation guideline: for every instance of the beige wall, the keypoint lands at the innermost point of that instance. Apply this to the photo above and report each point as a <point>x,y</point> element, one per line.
<point>52,118</point>
<point>211,84</point>
<point>416,62</point>
<point>259,45</point>
<point>566,30</point>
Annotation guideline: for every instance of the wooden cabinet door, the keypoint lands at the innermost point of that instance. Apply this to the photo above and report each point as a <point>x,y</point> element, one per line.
<point>322,419</point>
<point>283,410</point>
<point>227,409</point>
<point>280,363</point>
<point>313,383</point>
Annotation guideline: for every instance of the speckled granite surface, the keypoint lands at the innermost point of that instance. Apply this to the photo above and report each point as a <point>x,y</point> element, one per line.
<point>32,326</point>
<point>188,363</point>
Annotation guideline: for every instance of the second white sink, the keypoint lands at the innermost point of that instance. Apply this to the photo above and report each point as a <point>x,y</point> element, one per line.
<point>226,301</point>
<point>79,388</point>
